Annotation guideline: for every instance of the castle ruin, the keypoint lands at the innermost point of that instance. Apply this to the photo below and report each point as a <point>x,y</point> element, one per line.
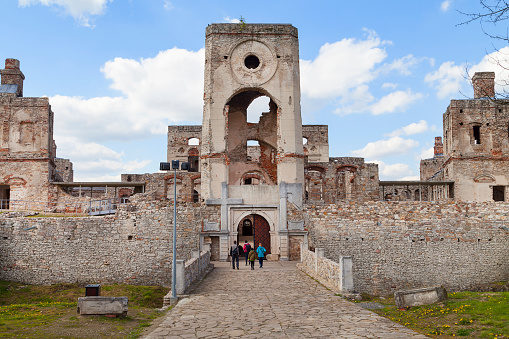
<point>270,182</point>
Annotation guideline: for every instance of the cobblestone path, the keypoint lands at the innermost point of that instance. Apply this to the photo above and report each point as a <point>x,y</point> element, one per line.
<point>277,301</point>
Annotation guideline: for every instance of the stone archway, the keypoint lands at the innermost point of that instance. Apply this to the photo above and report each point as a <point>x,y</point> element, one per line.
<point>255,229</point>
<point>261,232</point>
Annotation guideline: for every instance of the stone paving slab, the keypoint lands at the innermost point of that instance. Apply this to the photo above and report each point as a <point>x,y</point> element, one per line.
<point>277,301</point>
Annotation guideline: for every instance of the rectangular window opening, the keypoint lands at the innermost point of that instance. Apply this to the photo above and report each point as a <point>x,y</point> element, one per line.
<point>5,196</point>
<point>498,193</point>
<point>477,135</point>
<point>194,162</point>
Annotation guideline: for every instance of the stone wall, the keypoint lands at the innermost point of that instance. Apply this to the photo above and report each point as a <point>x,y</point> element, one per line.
<point>409,245</point>
<point>326,271</point>
<point>133,247</point>
<point>341,179</point>
<point>195,268</point>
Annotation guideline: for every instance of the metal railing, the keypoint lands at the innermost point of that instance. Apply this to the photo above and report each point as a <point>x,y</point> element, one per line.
<point>92,207</point>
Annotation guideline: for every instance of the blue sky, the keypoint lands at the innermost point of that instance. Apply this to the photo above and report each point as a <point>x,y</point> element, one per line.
<point>117,72</point>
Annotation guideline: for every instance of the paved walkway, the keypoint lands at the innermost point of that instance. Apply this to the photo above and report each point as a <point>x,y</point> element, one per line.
<point>277,301</point>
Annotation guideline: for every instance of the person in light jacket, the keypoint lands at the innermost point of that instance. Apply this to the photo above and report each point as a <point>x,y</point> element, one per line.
<point>261,254</point>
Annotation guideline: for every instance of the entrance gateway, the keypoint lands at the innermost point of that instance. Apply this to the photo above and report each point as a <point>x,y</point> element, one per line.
<point>252,184</point>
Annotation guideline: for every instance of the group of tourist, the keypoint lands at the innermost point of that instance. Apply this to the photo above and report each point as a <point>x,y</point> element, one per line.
<point>250,253</point>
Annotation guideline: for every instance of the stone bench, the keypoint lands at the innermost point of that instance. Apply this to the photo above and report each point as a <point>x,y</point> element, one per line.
<point>102,306</point>
<point>419,296</point>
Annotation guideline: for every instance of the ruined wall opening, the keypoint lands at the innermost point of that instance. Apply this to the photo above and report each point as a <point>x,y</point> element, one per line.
<point>193,141</point>
<point>477,134</point>
<point>252,137</point>
<point>498,193</point>
<point>5,196</point>
<point>193,159</point>
<point>256,230</point>
<point>345,182</point>
<point>252,178</point>
<point>252,62</point>
<point>314,184</point>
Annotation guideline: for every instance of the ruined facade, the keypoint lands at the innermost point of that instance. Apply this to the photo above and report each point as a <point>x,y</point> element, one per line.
<point>270,182</point>
<point>257,171</point>
<point>26,142</point>
<point>476,145</point>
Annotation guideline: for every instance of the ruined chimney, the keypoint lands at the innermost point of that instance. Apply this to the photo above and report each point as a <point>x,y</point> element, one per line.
<point>12,75</point>
<point>484,85</point>
<point>439,147</point>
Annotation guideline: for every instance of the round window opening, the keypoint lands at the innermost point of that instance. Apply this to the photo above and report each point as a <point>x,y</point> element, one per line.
<point>252,62</point>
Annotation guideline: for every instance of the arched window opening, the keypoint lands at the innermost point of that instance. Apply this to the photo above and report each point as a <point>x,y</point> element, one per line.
<point>304,141</point>
<point>193,141</point>
<point>252,178</point>
<point>256,108</point>
<point>314,183</point>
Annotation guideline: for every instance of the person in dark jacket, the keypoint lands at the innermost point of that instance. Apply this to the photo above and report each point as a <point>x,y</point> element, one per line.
<point>234,252</point>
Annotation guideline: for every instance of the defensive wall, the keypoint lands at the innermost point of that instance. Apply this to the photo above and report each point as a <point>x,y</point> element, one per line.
<point>133,247</point>
<point>398,245</point>
<point>394,245</point>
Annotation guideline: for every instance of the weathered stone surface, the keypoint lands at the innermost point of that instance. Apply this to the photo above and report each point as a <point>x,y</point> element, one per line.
<point>420,296</point>
<point>102,305</point>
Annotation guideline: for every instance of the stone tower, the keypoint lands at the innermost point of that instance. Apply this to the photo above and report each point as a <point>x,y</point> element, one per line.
<point>244,62</point>
<point>476,143</point>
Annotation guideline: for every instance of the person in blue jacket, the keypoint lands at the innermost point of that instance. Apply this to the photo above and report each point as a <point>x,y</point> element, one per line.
<point>261,254</point>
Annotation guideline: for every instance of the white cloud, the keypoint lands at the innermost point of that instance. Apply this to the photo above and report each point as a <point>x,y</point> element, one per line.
<point>426,153</point>
<point>447,80</point>
<point>357,100</point>
<point>341,66</point>
<point>343,70</point>
<point>91,160</point>
<point>394,172</point>
<point>389,85</point>
<point>399,100</point>
<point>155,92</point>
<point>80,10</point>
<point>451,79</point>
<point>393,146</point>
<point>410,178</point>
<point>413,128</point>
<point>232,20</point>
<point>402,65</point>
<point>497,62</point>
<point>168,5</point>
<point>445,5</point>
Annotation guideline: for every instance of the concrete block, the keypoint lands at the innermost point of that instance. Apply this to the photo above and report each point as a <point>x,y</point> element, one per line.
<point>346,275</point>
<point>102,305</point>
<point>420,296</point>
<point>272,257</point>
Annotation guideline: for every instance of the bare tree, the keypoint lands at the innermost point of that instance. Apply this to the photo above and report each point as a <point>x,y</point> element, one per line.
<point>491,14</point>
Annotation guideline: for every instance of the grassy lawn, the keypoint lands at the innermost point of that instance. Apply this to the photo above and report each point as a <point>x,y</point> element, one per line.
<point>466,315</point>
<point>28,311</point>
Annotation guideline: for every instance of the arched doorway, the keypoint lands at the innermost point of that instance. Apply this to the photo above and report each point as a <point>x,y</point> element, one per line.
<point>255,229</point>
